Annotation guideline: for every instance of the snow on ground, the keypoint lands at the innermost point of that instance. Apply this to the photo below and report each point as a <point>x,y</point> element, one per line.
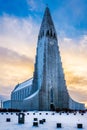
<point>69,122</point>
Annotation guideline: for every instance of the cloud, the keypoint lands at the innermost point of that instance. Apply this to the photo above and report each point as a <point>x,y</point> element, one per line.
<point>3,97</point>
<point>5,92</point>
<point>14,68</point>
<point>18,34</point>
<point>76,48</point>
<point>9,56</point>
<point>18,38</point>
<point>71,18</point>
<point>34,5</point>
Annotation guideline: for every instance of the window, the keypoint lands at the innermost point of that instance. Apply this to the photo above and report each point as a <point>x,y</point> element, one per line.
<point>51,33</point>
<point>54,35</point>
<point>47,33</point>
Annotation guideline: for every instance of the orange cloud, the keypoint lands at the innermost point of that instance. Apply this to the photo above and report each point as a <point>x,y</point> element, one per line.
<point>74,55</point>
<point>14,68</point>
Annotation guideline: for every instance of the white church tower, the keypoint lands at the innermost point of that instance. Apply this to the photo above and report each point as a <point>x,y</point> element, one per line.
<point>47,89</point>
<point>48,75</point>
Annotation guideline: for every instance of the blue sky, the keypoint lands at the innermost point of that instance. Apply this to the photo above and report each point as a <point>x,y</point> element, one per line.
<point>71,11</point>
<point>20,21</point>
<point>68,12</point>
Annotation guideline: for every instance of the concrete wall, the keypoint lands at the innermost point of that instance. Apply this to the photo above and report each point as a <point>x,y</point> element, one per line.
<point>32,102</point>
<point>52,76</point>
<point>7,104</point>
<point>75,105</point>
<point>17,104</point>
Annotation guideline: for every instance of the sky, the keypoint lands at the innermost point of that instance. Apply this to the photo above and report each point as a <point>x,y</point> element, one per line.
<point>20,22</point>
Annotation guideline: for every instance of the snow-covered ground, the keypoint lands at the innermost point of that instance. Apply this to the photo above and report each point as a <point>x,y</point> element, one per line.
<point>69,122</point>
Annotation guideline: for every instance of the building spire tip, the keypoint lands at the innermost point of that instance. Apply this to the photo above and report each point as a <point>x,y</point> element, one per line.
<point>46,4</point>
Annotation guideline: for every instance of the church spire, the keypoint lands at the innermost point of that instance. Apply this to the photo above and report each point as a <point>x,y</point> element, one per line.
<point>47,27</point>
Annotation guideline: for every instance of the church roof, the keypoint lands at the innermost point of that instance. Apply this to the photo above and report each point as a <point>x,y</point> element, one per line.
<point>23,85</point>
<point>32,95</point>
<point>47,19</point>
<point>47,22</point>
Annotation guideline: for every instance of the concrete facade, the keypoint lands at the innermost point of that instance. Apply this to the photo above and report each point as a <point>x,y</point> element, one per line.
<point>48,87</point>
<point>7,104</point>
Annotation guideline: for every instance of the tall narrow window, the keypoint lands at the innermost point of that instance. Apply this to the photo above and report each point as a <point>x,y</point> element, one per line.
<point>51,94</point>
<point>54,35</point>
<point>47,33</point>
<point>51,33</point>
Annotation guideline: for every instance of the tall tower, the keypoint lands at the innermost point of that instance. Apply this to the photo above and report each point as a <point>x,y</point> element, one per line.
<point>48,74</point>
<point>47,90</point>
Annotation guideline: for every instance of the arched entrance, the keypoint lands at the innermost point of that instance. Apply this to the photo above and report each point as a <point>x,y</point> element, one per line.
<point>52,107</point>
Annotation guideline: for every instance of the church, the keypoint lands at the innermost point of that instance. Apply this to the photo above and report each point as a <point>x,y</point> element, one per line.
<point>47,89</point>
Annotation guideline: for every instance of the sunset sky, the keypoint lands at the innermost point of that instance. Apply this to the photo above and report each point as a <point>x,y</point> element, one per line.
<point>20,22</point>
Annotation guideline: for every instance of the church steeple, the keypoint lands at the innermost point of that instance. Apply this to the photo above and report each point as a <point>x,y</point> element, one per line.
<point>47,27</point>
<point>48,90</point>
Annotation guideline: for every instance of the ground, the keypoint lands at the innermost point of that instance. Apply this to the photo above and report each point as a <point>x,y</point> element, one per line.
<point>68,122</point>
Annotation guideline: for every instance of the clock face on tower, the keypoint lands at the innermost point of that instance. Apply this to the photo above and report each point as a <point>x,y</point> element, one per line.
<point>51,42</point>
